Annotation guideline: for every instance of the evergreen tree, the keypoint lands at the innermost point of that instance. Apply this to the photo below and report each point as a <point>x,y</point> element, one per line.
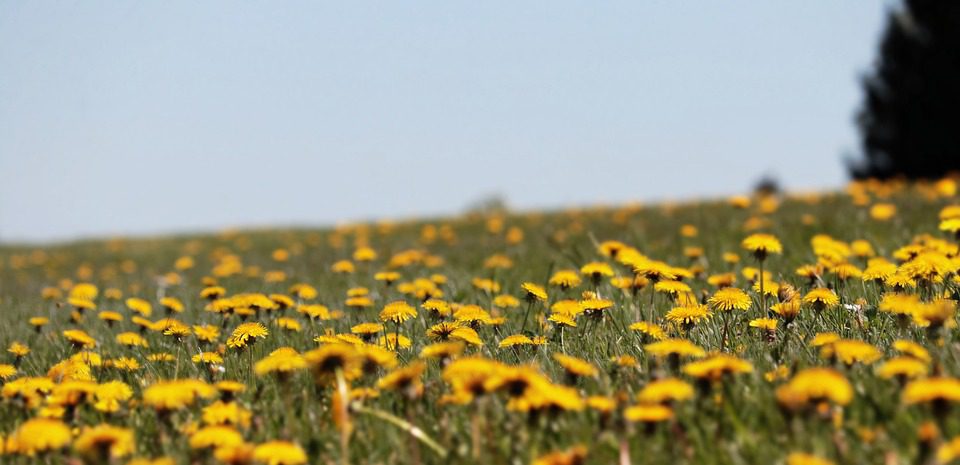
<point>910,120</point>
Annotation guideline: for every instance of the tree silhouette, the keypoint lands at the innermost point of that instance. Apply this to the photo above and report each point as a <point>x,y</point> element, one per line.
<point>910,119</point>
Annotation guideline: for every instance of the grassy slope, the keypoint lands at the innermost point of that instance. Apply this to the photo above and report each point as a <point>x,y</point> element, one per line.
<point>746,427</point>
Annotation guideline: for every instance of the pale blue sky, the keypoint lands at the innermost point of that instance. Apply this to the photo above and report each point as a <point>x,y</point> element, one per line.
<point>146,117</point>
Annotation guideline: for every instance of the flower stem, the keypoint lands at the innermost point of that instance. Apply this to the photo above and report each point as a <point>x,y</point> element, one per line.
<point>406,426</point>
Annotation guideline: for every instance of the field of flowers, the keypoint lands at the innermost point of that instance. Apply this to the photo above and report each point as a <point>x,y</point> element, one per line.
<point>763,329</point>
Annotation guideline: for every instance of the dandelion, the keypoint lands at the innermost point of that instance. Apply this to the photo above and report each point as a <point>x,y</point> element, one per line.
<point>787,310</point>
<point>140,306</point>
<point>902,368</point>
<point>405,379</point>
<point>565,279</point>
<point>534,292</point>
<point>18,350</point>
<point>281,362</point>
<point>851,351</point>
<point>761,246</point>
<point>821,298</point>
<point>212,292</point>
<point>715,367</point>
<point>767,325</point>
<point>595,307</point>
<point>442,350</point>
<point>562,320</point>
<point>397,312</point>
<point>212,437</point>
<point>246,333</point>
<point>671,347</point>
<point>79,339</point>
<point>729,298</point>
<point>648,414</point>
<point>103,442</point>
<point>38,322</point>
<point>506,301</point>
<point>672,288</point>
<point>325,361</point>
<point>650,331</point>
<point>939,391</point>
<point>516,340</point>
<point>175,395</point>
<point>815,385</point>
<point>7,371</point>
<point>437,308</point>
<point>799,458</point>
<point>934,315</point>
<point>575,367</point>
<point>279,453</point>
<point>596,271</point>
<point>664,391</point>
<point>209,358</point>
<point>574,456</point>
<point>221,413</point>
<point>688,316</point>
<point>39,435</point>
<point>950,451</point>
<point>912,349</point>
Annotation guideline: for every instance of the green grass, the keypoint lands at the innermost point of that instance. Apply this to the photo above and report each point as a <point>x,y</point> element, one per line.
<point>733,422</point>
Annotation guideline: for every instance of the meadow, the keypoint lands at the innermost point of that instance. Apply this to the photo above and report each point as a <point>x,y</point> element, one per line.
<point>798,329</point>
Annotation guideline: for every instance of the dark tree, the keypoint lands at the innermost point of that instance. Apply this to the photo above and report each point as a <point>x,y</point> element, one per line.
<point>910,120</point>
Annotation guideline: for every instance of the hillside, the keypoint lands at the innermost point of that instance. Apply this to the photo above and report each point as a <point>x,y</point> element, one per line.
<point>633,333</point>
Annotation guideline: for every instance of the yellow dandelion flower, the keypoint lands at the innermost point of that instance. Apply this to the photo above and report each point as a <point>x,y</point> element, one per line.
<point>650,330</point>
<point>39,435</point>
<point>104,442</point>
<point>212,437</point>
<point>675,347</point>
<point>279,453</point>
<point>516,340</point>
<point>766,324</point>
<point>573,456</point>
<point>902,368</point>
<point>817,384</point>
<point>717,366</point>
<point>912,349</point>
<point>534,292</point>
<point>281,362</point>
<point>18,349</point>
<point>688,315</point>
<point>79,338</point>
<point>562,320</point>
<point>247,333</point>
<point>398,312</point>
<point>950,451</point>
<point>665,390</point>
<point>850,351</point>
<point>596,270</point>
<point>140,306</point>
<point>788,310</point>
<point>821,298</point>
<point>594,306</point>
<point>762,245</point>
<point>799,458</point>
<point>730,298</point>
<point>222,413</point>
<point>403,379</point>
<point>936,390</point>
<point>175,395</point>
<point>648,413</point>
<point>575,366</point>
<point>565,279</point>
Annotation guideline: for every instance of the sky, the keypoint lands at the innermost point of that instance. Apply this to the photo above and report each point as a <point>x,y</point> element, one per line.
<point>178,116</point>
